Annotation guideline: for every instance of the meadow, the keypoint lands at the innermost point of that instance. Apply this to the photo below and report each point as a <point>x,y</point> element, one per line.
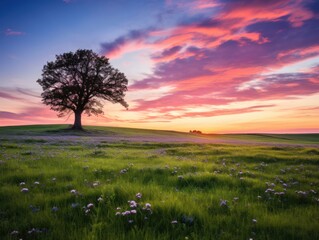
<point>53,186</point>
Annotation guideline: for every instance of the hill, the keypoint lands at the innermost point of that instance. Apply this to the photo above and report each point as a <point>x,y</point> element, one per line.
<point>114,134</point>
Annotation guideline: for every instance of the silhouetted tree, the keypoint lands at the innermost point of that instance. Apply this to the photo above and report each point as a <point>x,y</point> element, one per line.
<point>76,82</point>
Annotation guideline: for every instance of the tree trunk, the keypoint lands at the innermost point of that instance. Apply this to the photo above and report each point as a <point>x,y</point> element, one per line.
<point>77,121</point>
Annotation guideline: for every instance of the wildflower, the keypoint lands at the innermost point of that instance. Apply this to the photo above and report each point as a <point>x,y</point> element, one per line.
<point>117,213</point>
<point>174,222</point>
<point>301,193</point>
<point>236,199</point>
<point>53,179</point>
<point>31,231</point>
<point>259,197</point>
<point>138,195</point>
<point>87,211</point>
<point>74,205</point>
<point>133,211</point>
<point>100,199</point>
<point>90,205</point>
<point>36,183</point>
<point>54,209</point>
<point>180,177</point>
<point>126,213</point>
<point>130,221</point>
<point>14,232</point>
<point>148,205</point>
<point>24,190</point>
<point>118,208</point>
<point>73,191</point>
<point>223,203</point>
<point>95,184</point>
<point>279,193</point>
<point>254,221</point>
<point>22,183</point>
<point>269,190</point>
<point>313,191</point>
<point>133,204</point>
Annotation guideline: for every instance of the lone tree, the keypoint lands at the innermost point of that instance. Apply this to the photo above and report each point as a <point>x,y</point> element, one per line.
<point>76,82</point>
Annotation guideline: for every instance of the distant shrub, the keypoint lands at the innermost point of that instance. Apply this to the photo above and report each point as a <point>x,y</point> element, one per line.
<point>195,131</point>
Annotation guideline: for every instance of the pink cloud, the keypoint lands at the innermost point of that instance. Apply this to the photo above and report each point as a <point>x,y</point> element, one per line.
<point>222,112</point>
<point>132,41</point>
<point>18,94</point>
<point>278,86</point>
<point>167,116</point>
<point>248,12</point>
<point>299,53</point>
<point>10,32</point>
<point>9,96</point>
<point>28,115</point>
<point>203,4</point>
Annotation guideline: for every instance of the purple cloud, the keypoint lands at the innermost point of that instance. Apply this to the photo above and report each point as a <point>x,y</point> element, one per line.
<point>10,32</point>
<point>9,115</point>
<point>227,57</point>
<point>168,52</point>
<point>9,96</point>
<point>109,48</point>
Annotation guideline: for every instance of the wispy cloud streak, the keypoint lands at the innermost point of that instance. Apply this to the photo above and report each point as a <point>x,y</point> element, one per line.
<point>10,32</point>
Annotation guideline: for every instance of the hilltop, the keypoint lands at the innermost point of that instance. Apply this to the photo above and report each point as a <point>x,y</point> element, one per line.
<point>114,134</point>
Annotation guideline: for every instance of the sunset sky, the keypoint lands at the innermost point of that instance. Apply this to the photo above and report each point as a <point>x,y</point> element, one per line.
<point>219,66</point>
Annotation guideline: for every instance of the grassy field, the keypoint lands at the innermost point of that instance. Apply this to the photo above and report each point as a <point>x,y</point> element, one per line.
<point>126,133</point>
<point>97,189</point>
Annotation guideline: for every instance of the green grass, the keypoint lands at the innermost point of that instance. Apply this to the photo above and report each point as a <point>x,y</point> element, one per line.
<point>95,131</point>
<point>282,138</point>
<point>38,130</point>
<point>182,182</point>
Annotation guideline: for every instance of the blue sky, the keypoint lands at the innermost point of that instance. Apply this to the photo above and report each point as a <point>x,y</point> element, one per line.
<point>52,27</point>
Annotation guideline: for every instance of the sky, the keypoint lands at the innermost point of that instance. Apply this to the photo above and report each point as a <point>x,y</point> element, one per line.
<point>218,66</point>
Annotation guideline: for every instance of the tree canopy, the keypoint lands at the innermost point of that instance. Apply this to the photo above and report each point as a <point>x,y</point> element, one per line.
<point>77,82</point>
